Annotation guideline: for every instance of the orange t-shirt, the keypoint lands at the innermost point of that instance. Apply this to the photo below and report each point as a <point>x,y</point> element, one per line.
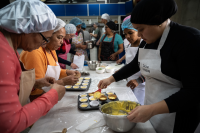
<point>38,60</point>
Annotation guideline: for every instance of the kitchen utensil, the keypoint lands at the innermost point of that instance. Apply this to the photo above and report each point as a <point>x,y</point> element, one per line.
<point>100,70</point>
<point>93,64</point>
<point>118,123</point>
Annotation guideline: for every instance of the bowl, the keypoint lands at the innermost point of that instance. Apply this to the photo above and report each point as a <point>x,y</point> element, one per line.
<point>110,69</point>
<point>100,70</point>
<point>93,64</point>
<point>116,120</point>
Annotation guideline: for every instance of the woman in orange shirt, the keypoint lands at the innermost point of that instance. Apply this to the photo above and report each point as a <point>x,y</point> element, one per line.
<point>45,62</point>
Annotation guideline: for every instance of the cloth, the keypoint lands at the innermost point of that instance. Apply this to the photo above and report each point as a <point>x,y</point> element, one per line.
<point>105,16</point>
<point>27,16</point>
<point>97,31</point>
<point>107,49</point>
<point>103,31</point>
<point>94,122</point>
<point>64,55</point>
<point>83,25</point>
<point>61,24</point>
<point>87,35</point>
<point>70,29</point>
<point>126,44</point>
<point>111,25</point>
<point>174,55</point>
<point>37,59</point>
<point>153,12</point>
<point>127,25</point>
<point>118,40</point>
<point>14,117</point>
<point>75,21</point>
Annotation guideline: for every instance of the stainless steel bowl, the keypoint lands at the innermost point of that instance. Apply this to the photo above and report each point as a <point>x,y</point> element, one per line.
<point>118,123</point>
<point>93,64</point>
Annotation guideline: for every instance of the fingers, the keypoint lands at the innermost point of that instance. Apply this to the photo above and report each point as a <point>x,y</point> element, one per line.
<point>128,84</point>
<point>99,85</point>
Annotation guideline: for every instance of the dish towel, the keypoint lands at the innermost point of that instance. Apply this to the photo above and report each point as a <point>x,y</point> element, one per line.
<point>94,122</point>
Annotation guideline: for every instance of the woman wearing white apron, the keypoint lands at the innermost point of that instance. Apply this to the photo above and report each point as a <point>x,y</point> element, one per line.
<point>134,83</point>
<point>168,58</point>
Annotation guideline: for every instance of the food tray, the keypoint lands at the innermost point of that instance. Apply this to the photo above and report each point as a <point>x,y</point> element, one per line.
<point>79,86</point>
<point>89,107</point>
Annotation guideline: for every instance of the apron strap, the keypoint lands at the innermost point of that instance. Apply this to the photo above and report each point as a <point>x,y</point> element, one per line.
<point>46,55</point>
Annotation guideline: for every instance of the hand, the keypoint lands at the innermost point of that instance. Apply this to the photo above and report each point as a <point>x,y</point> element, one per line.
<point>78,54</point>
<point>91,34</point>
<point>113,56</point>
<point>78,45</point>
<point>105,82</point>
<point>46,81</point>
<point>78,74</point>
<point>119,61</point>
<point>132,84</point>
<point>70,72</point>
<point>99,59</point>
<point>70,80</point>
<point>60,90</point>
<point>140,114</point>
<point>74,66</point>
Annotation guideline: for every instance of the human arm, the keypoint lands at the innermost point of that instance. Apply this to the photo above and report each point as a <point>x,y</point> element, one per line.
<point>113,56</point>
<point>121,59</point>
<point>63,61</point>
<point>135,82</point>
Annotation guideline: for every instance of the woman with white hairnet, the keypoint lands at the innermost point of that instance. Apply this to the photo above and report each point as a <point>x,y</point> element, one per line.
<point>78,39</point>
<point>136,82</point>
<point>21,30</point>
<point>45,62</point>
<point>65,48</point>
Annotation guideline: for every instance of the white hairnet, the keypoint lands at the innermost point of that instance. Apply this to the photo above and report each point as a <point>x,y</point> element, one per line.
<point>27,16</point>
<point>60,24</point>
<point>70,29</point>
<point>105,16</point>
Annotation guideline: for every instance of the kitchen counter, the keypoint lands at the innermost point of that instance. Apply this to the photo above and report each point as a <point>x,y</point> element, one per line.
<point>65,114</point>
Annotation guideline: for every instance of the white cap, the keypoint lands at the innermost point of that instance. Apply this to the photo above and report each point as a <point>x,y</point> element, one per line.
<point>60,24</point>
<point>105,16</point>
<point>27,16</point>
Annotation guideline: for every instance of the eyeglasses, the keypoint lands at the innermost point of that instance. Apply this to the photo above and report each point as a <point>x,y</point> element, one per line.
<point>45,40</point>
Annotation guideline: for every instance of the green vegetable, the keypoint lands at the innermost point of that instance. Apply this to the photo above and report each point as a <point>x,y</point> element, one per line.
<point>100,69</point>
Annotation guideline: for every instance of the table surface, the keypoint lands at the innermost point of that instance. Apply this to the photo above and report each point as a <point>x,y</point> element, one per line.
<point>65,114</point>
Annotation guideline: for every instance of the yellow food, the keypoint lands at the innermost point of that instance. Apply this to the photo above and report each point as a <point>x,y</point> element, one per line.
<point>112,96</point>
<point>68,87</point>
<point>87,78</point>
<point>113,108</point>
<point>97,95</point>
<point>80,78</point>
<point>77,84</point>
<point>86,81</point>
<point>84,105</point>
<point>109,93</point>
<point>102,94</point>
<point>83,100</point>
<point>76,87</point>
<point>91,94</point>
<point>83,95</point>
<point>83,86</point>
<point>92,99</point>
<point>103,98</point>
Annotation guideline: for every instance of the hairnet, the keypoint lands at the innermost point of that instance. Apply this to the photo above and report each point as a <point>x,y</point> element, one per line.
<point>97,24</point>
<point>76,21</point>
<point>153,12</point>
<point>60,24</point>
<point>70,29</point>
<point>127,25</point>
<point>111,25</point>
<point>27,16</point>
<point>83,25</point>
<point>127,18</point>
<point>105,16</point>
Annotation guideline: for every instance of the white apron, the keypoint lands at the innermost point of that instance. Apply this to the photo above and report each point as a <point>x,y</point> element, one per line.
<point>52,71</point>
<point>139,91</point>
<point>158,86</point>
